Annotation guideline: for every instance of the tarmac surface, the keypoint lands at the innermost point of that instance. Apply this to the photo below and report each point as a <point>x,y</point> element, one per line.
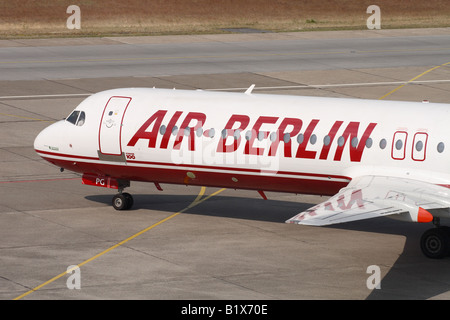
<point>191,242</point>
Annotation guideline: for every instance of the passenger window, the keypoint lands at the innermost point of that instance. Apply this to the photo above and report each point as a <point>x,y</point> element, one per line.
<point>399,144</point>
<point>419,146</point>
<point>73,117</point>
<point>199,132</point>
<point>326,140</point>
<point>261,135</point>
<point>273,136</point>
<point>398,151</point>
<point>211,133</point>
<point>224,133</point>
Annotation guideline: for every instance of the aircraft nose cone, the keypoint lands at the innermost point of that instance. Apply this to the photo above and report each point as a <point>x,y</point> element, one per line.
<point>39,141</point>
<point>48,139</point>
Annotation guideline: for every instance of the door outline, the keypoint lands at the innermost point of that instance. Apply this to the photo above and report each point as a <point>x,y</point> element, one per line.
<point>424,148</point>
<point>119,138</point>
<point>399,154</point>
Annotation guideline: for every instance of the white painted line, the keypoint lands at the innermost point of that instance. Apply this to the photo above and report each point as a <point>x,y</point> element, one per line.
<point>318,86</point>
<point>311,86</point>
<point>43,96</point>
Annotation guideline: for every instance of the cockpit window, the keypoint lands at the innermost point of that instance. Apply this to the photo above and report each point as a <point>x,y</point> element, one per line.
<point>73,117</point>
<point>78,118</point>
<point>81,119</point>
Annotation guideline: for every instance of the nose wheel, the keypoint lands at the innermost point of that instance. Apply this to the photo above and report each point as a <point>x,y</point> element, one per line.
<point>122,201</point>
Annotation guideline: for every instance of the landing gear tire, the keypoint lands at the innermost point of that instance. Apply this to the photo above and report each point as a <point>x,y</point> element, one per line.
<point>129,200</point>
<point>435,243</point>
<point>122,201</point>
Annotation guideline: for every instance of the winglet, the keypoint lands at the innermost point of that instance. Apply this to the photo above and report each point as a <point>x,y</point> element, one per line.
<point>424,216</point>
<point>250,89</point>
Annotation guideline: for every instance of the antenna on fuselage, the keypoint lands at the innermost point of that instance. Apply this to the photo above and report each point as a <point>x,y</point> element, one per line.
<point>250,89</point>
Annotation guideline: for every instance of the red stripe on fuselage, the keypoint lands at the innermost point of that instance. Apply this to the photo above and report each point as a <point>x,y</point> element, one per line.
<point>195,166</point>
<point>236,178</point>
<point>66,155</point>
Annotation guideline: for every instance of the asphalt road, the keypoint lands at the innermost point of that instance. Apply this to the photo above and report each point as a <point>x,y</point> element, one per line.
<point>232,245</point>
<point>226,55</point>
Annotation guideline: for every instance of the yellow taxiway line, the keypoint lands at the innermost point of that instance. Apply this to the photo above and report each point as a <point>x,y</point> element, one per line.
<point>194,203</point>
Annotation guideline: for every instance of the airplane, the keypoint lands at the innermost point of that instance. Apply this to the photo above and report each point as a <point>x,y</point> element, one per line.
<point>372,158</point>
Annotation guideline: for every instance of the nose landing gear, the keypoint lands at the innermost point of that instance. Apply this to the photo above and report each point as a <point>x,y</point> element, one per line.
<point>122,201</point>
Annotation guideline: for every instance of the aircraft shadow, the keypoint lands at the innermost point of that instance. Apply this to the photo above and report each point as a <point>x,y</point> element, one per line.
<point>219,206</point>
<point>413,276</point>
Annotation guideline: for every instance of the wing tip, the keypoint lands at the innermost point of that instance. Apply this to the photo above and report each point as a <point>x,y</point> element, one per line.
<point>423,216</point>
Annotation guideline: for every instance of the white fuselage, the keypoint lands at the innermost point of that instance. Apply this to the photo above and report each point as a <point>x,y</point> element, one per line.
<point>271,142</point>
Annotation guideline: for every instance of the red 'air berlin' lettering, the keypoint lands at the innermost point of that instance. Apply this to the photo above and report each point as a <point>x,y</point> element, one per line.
<point>151,136</point>
<point>243,123</point>
<point>170,126</point>
<point>297,126</point>
<point>200,118</point>
<point>352,132</point>
<point>338,205</point>
<point>237,123</point>
<point>331,135</point>
<point>355,198</point>
<point>301,151</point>
<point>249,149</point>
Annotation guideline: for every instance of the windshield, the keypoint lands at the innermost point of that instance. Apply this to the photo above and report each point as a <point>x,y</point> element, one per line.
<point>73,117</point>
<point>81,119</point>
<point>77,117</point>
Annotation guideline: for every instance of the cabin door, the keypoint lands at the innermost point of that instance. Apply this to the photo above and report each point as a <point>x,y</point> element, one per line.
<point>110,132</point>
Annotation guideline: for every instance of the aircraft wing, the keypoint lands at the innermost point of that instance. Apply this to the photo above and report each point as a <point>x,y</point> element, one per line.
<point>376,196</point>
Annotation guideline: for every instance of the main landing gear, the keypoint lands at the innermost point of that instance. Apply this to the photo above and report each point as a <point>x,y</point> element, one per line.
<point>435,242</point>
